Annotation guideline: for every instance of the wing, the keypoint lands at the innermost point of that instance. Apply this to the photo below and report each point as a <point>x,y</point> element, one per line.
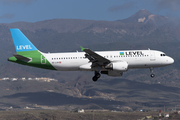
<point>95,58</point>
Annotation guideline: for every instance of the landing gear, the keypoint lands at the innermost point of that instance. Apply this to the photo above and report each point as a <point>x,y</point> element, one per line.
<point>152,75</point>
<point>96,76</point>
<point>151,70</point>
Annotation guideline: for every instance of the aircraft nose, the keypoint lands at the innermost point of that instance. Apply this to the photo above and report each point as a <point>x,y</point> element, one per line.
<point>170,60</point>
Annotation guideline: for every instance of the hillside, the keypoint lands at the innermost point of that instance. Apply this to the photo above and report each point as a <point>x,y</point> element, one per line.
<point>70,115</point>
<point>111,94</point>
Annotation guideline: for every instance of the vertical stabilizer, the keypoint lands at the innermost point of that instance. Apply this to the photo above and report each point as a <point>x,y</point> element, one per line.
<point>21,42</point>
<point>27,53</point>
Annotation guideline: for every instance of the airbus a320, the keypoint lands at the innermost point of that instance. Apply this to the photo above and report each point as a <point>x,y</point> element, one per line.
<point>111,63</point>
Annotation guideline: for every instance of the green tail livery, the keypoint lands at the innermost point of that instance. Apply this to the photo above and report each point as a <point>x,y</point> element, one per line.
<point>27,53</point>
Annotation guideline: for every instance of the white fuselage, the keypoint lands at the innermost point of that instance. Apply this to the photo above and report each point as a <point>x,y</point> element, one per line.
<point>73,61</point>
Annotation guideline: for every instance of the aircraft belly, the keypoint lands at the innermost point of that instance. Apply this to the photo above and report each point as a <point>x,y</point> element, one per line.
<point>68,66</point>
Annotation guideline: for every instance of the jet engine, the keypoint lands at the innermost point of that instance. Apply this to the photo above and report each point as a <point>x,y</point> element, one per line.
<point>118,66</point>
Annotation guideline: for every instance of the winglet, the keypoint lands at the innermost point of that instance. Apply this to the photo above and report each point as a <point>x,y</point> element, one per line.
<point>82,49</point>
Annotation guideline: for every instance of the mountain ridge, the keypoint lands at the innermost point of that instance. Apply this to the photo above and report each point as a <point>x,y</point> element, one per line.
<point>146,17</point>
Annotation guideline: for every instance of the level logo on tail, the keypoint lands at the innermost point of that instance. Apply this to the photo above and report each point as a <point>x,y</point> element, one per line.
<point>21,42</point>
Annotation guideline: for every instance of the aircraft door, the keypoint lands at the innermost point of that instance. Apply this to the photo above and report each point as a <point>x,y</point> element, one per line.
<point>43,60</point>
<point>152,56</point>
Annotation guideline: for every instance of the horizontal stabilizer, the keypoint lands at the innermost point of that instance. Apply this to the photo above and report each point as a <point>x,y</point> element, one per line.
<point>22,58</point>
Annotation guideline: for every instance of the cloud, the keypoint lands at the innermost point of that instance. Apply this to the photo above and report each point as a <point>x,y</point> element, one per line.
<point>7,16</point>
<point>172,5</point>
<point>125,6</point>
<point>27,2</point>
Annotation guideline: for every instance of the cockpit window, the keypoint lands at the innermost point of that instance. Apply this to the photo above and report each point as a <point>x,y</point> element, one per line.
<point>163,54</point>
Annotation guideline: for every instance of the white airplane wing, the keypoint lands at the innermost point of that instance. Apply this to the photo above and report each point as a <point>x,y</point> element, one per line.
<point>95,58</point>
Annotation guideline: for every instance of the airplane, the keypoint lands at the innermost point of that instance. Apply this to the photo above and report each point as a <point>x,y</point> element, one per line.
<point>111,63</point>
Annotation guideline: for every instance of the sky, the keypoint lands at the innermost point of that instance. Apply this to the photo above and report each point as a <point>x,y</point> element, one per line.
<point>108,10</point>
